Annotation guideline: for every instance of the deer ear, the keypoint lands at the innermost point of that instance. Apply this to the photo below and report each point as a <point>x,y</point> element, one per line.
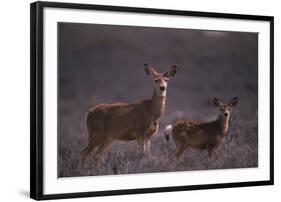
<point>233,102</point>
<point>172,72</point>
<point>166,74</point>
<point>216,102</point>
<point>149,70</point>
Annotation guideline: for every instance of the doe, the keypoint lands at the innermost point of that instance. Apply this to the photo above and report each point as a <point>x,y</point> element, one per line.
<point>139,120</point>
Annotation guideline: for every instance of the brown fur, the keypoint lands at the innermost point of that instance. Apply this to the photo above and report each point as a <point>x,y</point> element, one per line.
<point>139,121</point>
<point>201,135</point>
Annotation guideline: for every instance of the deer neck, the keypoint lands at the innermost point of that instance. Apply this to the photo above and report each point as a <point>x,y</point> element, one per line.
<point>223,124</point>
<point>157,105</point>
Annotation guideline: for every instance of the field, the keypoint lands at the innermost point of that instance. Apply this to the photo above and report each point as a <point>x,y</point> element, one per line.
<point>104,64</point>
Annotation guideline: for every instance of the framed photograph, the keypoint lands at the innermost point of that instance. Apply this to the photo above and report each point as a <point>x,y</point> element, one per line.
<point>131,100</point>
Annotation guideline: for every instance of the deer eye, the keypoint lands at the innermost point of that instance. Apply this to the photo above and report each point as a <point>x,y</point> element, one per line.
<point>157,80</point>
<point>166,80</point>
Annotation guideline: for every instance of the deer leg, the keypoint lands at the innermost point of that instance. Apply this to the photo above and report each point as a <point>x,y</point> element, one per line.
<point>210,151</point>
<point>147,136</point>
<point>102,148</point>
<point>140,144</point>
<point>146,144</point>
<point>85,152</point>
<point>148,147</point>
<point>88,149</point>
<point>144,147</point>
<point>179,151</point>
<point>92,143</point>
<point>214,147</point>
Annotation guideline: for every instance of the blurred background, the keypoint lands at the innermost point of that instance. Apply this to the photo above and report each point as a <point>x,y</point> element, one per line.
<point>104,64</point>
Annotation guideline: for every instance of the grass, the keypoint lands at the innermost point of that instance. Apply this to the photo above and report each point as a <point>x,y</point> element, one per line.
<point>239,150</point>
<point>104,64</point>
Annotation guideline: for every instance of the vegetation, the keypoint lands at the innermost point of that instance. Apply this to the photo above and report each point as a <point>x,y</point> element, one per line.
<point>104,64</point>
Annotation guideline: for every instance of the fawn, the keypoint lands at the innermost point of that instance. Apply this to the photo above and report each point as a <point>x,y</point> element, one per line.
<point>201,135</point>
<point>139,120</point>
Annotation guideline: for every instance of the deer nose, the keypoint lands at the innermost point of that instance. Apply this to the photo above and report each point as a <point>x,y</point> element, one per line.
<point>226,114</point>
<point>162,88</point>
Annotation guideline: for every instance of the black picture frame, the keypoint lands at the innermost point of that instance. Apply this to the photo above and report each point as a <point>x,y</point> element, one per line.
<point>37,99</point>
